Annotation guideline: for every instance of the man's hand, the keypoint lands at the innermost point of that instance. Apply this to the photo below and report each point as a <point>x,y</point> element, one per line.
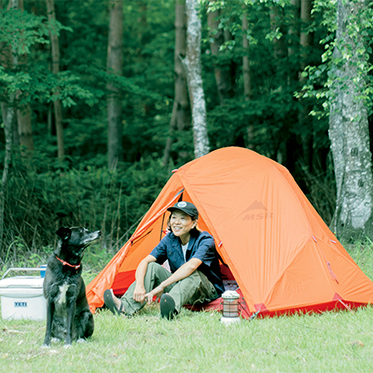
<point>184,271</point>
<point>139,293</point>
<point>157,292</point>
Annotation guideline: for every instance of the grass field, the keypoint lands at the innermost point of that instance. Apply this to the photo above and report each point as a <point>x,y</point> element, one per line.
<point>198,342</point>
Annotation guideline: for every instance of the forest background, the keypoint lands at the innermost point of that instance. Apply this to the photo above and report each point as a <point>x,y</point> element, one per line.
<point>267,73</point>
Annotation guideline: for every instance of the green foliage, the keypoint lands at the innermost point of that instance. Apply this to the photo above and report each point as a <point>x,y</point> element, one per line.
<point>79,189</point>
<point>20,34</point>
<point>322,188</point>
<point>21,30</point>
<point>361,252</point>
<point>44,193</point>
<point>59,195</point>
<point>338,54</point>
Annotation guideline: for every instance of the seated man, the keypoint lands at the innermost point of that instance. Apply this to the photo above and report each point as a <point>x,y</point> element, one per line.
<point>195,271</point>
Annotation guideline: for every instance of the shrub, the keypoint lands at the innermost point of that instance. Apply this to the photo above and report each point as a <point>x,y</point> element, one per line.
<point>43,194</point>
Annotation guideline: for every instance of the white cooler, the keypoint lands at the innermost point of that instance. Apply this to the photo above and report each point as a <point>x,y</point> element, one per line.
<point>22,296</point>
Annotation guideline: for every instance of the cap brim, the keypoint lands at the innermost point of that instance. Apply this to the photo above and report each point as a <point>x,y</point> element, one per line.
<point>174,208</point>
<point>180,209</point>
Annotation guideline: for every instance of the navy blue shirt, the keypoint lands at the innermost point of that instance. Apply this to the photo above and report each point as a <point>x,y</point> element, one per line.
<point>201,246</point>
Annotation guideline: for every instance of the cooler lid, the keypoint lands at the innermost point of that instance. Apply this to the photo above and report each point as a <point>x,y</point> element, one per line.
<point>32,282</point>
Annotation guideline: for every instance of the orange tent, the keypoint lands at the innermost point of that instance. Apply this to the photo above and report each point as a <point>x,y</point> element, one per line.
<point>280,252</point>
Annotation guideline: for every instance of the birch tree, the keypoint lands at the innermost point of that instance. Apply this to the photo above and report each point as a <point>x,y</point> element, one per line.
<point>55,48</point>
<point>115,66</point>
<point>348,121</point>
<point>193,66</point>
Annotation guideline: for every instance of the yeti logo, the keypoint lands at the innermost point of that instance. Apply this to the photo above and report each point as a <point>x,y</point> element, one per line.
<point>20,304</point>
<point>257,211</point>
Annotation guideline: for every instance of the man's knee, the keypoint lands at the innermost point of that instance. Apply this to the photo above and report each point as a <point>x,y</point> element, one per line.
<point>197,275</point>
<point>156,271</point>
<point>193,278</point>
<point>152,265</point>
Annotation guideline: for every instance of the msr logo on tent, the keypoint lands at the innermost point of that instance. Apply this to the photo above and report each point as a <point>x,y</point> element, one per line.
<point>252,213</point>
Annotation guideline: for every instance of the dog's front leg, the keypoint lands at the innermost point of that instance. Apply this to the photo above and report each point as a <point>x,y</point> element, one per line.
<point>70,313</point>
<point>48,331</point>
<point>69,322</point>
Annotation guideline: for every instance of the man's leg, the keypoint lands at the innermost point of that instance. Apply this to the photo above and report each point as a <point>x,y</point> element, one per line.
<point>195,288</point>
<point>155,274</point>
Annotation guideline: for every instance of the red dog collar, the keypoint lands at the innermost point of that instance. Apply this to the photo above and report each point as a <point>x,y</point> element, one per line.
<point>68,264</point>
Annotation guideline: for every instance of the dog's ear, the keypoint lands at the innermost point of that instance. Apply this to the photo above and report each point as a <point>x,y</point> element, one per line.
<point>64,233</point>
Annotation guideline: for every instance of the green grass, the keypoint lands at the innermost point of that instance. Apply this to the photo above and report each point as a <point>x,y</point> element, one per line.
<point>331,342</point>
<point>198,342</point>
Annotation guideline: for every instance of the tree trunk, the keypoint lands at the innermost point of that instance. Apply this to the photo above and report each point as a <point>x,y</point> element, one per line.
<point>247,74</point>
<point>180,112</point>
<point>306,39</point>
<point>279,53</point>
<point>279,48</point>
<point>50,118</point>
<point>25,128</point>
<point>294,31</point>
<point>142,21</point>
<point>115,66</point>
<point>194,78</point>
<point>349,133</point>
<point>55,69</point>
<point>245,59</point>
<point>8,115</point>
<point>24,118</point>
<point>170,140</point>
<point>8,60</point>
<point>222,73</point>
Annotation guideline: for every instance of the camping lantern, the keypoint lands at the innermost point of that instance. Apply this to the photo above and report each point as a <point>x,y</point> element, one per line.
<point>230,307</point>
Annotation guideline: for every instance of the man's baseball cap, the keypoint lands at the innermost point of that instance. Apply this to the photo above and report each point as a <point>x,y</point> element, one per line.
<point>186,207</point>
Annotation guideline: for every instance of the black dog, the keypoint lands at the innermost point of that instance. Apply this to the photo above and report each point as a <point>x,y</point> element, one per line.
<point>68,313</point>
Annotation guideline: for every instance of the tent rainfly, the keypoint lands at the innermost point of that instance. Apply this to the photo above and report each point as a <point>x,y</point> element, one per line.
<point>279,251</point>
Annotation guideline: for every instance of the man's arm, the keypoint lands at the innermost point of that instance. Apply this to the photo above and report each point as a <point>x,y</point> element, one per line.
<point>139,292</point>
<point>184,271</point>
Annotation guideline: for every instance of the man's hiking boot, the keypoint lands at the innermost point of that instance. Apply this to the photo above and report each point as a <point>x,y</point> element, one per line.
<point>167,305</point>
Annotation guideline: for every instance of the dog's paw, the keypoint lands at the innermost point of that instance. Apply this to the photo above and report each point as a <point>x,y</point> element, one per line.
<point>81,340</point>
<point>66,346</point>
<point>45,345</point>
